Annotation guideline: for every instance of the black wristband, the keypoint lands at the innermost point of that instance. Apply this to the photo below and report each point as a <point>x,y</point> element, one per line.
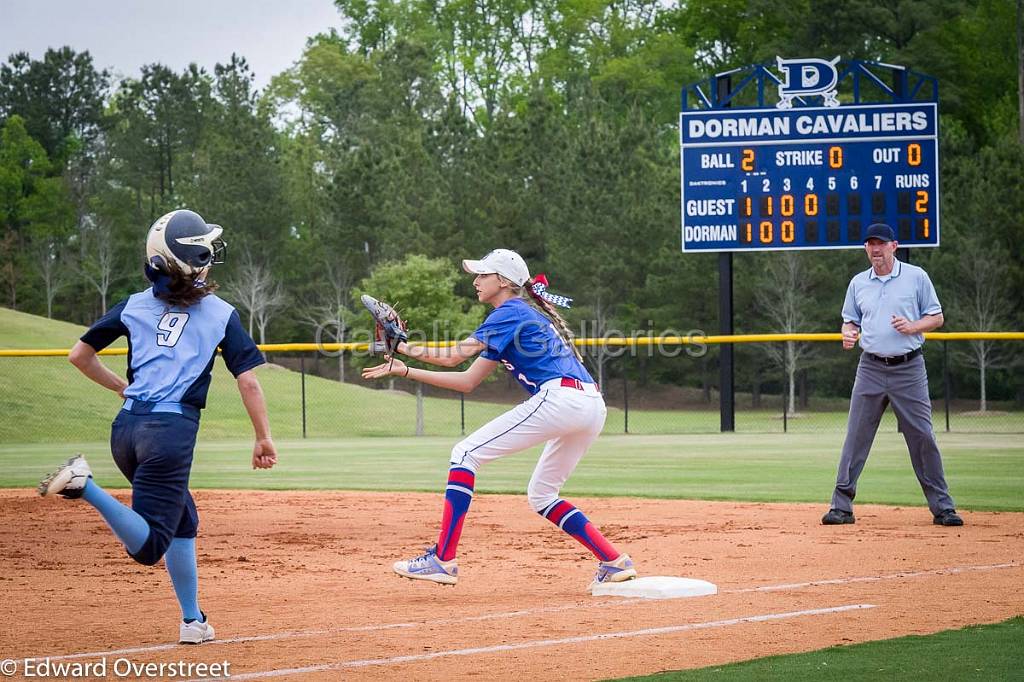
<point>407,368</point>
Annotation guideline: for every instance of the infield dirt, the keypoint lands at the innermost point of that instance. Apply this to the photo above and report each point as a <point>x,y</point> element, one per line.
<point>302,582</point>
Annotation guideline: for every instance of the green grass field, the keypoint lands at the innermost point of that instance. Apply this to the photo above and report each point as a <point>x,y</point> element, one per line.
<point>984,472</point>
<point>983,652</point>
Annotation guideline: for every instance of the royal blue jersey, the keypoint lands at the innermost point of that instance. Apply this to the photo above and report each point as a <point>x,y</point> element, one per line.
<point>526,342</point>
<point>171,348</point>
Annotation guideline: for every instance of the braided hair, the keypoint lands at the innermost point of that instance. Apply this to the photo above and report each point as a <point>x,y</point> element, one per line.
<point>548,310</point>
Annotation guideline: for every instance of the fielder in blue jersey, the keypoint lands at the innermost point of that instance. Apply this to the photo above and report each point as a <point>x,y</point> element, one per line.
<point>174,329</point>
<point>566,411</point>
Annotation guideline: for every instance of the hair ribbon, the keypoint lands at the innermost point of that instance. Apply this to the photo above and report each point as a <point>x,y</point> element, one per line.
<point>539,289</point>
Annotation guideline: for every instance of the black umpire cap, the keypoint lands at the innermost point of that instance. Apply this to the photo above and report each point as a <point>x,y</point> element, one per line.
<point>880,231</point>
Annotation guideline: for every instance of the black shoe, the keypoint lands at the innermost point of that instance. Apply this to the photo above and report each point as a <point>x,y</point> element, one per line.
<point>948,517</point>
<point>836,517</point>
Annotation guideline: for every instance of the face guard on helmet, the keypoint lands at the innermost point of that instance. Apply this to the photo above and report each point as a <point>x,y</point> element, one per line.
<point>182,237</point>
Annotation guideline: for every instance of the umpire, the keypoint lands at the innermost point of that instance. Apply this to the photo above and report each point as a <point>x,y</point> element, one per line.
<point>889,307</point>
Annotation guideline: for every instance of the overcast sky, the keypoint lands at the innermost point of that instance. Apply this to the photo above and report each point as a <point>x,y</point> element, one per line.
<point>123,35</point>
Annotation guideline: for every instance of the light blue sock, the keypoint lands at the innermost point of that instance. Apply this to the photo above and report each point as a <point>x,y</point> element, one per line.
<point>130,528</point>
<point>181,565</point>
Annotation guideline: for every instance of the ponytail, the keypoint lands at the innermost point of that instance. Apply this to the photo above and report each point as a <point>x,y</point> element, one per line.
<point>542,301</point>
<point>174,286</point>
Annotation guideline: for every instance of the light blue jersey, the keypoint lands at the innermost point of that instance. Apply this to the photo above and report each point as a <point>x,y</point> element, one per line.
<point>871,301</point>
<point>527,344</point>
<point>171,348</point>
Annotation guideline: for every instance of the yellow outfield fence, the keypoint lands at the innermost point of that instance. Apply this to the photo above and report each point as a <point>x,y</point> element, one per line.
<point>613,341</point>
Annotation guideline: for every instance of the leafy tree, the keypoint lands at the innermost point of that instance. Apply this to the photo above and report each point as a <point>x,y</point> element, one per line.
<point>60,98</point>
<point>326,310</point>
<point>485,49</point>
<point>966,45</point>
<point>256,290</point>
<point>423,291</point>
<point>237,172</point>
<point>111,241</point>
<point>982,303</point>
<point>23,168</point>
<point>50,221</point>
<point>784,298</point>
<point>157,122</point>
<point>381,190</point>
<point>612,166</point>
<point>733,33</point>
<point>979,264</point>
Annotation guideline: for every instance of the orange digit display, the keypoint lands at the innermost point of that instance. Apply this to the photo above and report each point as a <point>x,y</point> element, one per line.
<point>786,204</point>
<point>835,157</point>
<point>914,154</point>
<point>788,231</point>
<point>921,205</point>
<point>766,232</point>
<point>747,162</point>
<point>811,204</point>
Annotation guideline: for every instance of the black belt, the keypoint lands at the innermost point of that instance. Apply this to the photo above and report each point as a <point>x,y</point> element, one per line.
<point>895,359</point>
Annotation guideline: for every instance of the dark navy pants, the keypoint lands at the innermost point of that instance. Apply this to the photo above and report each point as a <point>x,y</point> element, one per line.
<point>154,452</point>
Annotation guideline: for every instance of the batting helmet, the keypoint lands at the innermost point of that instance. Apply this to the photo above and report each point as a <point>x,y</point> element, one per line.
<point>184,238</point>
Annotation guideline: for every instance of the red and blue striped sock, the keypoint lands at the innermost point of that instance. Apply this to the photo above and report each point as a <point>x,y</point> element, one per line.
<point>572,521</point>
<point>457,497</point>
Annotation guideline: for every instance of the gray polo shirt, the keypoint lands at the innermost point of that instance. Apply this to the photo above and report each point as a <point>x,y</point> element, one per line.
<point>871,301</point>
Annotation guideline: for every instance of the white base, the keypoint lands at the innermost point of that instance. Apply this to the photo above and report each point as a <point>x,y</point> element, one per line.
<point>656,587</point>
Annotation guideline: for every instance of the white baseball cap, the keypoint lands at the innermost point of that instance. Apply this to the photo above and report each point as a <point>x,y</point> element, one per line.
<point>504,262</point>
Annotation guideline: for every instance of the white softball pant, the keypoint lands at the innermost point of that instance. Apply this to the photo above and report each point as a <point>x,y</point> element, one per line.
<point>569,419</point>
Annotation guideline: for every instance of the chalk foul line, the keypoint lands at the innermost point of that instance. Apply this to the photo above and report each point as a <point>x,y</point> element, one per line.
<point>534,644</point>
<point>298,634</point>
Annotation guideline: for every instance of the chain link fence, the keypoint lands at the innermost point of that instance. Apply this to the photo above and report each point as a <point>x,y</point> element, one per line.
<point>315,395</point>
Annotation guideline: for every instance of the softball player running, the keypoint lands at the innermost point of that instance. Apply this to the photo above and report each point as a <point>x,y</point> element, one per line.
<point>173,330</point>
<point>565,410</point>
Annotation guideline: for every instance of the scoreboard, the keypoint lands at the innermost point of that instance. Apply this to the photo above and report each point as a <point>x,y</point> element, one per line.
<point>808,178</point>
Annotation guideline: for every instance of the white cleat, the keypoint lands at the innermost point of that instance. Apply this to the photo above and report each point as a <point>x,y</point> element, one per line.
<point>68,480</point>
<point>617,571</point>
<point>195,632</point>
<point>429,567</point>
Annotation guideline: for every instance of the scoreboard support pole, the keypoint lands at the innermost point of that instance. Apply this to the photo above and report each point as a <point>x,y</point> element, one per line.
<point>726,375</point>
<point>726,366</point>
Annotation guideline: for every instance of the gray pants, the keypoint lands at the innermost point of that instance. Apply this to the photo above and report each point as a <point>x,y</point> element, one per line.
<point>906,387</point>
